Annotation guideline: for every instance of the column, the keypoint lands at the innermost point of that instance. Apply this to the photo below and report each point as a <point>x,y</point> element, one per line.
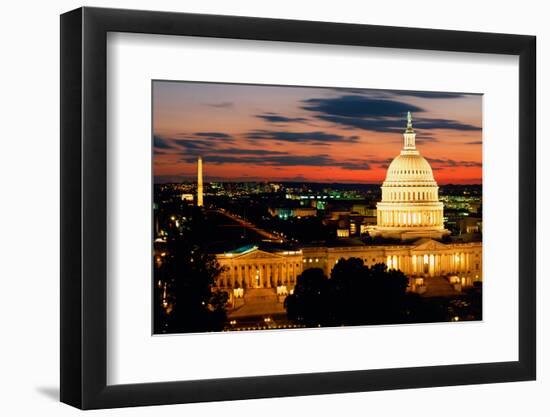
<point>256,275</point>
<point>262,276</point>
<point>286,273</point>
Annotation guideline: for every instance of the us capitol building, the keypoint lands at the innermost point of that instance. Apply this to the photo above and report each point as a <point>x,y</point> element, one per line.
<point>410,213</point>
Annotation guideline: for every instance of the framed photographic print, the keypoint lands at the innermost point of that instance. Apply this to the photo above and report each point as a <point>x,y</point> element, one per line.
<point>258,208</point>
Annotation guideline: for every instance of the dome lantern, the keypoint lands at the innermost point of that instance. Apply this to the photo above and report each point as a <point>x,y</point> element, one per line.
<point>409,137</point>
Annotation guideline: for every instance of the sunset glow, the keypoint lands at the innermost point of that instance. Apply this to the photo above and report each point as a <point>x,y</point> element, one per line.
<point>278,133</point>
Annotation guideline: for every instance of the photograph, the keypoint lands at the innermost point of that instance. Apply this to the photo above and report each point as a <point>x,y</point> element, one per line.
<point>286,207</point>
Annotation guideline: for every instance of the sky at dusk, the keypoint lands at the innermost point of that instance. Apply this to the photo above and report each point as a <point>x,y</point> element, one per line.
<point>280,133</point>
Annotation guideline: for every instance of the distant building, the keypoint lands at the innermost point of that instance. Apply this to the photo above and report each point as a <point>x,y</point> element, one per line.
<point>470,225</point>
<point>363,209</point>
<point>342,232</point>
<point>285,213</point>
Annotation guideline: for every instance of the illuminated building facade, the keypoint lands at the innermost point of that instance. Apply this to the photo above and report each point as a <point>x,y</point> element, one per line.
<point>253,268</point>
<point>250,267</point>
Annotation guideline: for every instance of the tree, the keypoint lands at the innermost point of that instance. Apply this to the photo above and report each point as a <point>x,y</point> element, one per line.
<point>191,273</point>
<point>354,295</point>
<point>308,303</point>
<point>366,295</point>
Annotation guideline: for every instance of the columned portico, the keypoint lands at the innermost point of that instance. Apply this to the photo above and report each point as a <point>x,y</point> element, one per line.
<point>255,268</point>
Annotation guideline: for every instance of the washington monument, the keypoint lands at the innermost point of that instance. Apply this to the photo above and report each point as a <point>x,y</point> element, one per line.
<point>199,182</point>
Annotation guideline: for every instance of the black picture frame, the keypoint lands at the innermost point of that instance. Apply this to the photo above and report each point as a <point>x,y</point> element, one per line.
<point>84,207</point>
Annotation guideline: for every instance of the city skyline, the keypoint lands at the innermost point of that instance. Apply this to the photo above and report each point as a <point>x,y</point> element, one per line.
<point>309,134</point>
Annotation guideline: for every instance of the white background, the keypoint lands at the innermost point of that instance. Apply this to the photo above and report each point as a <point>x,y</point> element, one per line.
<point>133,60</point>
<point>30,204</point>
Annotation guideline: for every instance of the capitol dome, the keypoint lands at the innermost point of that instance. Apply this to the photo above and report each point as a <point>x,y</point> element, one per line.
<point>410,206</point>
<point>409,167</point>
